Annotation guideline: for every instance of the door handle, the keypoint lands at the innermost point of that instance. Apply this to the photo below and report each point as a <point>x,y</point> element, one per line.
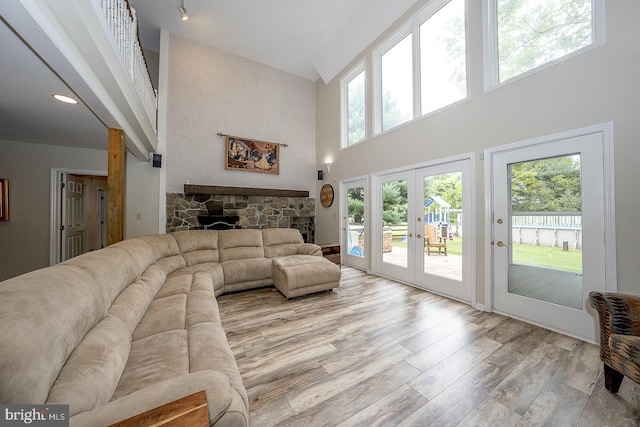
<point>501,244</point>
<point>418,236</point>
<point>410,234</point>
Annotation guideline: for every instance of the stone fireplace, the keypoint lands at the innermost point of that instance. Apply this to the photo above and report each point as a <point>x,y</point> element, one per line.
<point>210,207</point>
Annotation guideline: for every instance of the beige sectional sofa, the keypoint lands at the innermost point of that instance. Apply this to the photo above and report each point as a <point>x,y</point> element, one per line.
<point>125,329</point>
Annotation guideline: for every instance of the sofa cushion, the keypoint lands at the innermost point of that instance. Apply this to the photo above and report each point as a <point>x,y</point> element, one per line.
<point>154,359</point>
<point>281,241</point>
<point>40,328</point>
<point>202,307</point>
<point>115,267</point>
<point>212,271</point>
<point>206,354</point>
<point>254,272</point>
<point>221,400</point>
<point>91,373</point>
<point>198,246</point>
<point>164,314</point>
<point>134,300</point>
<point>240,245</point>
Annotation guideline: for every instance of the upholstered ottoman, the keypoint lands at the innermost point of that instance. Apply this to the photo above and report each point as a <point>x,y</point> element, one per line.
<point>302,274</point>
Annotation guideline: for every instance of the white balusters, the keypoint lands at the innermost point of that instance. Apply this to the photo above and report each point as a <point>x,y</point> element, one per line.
<point>123,24</point>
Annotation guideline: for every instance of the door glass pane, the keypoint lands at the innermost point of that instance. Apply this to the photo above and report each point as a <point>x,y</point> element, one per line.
<point>394,216</point>
<point>355,221</point>
<point>546,230</point>
<point>397,84</point>
<point>443,225</point>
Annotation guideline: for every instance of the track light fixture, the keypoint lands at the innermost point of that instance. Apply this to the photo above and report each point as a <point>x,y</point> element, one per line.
<point>183,12</point>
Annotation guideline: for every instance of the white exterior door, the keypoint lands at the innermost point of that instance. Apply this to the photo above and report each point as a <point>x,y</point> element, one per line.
<point>549,235</point>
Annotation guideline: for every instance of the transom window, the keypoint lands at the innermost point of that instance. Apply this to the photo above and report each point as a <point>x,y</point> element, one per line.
<point>354,107</point>
<point>443,57</point>
<point>397,84</point>
<point>422,67</point>
<point>528,34</point>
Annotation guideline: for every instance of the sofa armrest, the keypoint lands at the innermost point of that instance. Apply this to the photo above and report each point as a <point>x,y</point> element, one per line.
<point>309,249</point>
<point>216,384</point>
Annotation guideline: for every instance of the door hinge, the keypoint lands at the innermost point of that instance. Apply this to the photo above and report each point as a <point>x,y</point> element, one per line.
<point>62,185</point>
<point>62,228</point>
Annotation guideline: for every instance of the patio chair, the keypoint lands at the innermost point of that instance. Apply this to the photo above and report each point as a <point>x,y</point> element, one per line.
<point>433,243</point>
<point>619,316</point>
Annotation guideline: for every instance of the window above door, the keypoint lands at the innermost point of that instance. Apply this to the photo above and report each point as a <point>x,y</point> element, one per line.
<point>524,36</point>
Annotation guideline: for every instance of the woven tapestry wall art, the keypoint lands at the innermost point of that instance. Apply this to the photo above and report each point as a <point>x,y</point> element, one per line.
<point>251,155</point>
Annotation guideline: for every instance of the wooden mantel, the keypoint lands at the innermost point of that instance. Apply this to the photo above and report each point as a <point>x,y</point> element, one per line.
<point>242,191</point>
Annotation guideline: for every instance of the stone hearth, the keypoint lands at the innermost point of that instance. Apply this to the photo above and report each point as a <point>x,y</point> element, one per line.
<point>253,211</point>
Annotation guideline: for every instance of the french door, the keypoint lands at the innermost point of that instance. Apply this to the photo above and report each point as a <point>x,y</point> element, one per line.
<point>445,260</point>
<point>354,209</point>
<point>422,237</point>
<point>549,232</point>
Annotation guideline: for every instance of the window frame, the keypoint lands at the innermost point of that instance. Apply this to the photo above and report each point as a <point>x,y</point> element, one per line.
<point>490,44</point>
<point>412,27</point>
<point>361,67</point>
<point>378,53</point>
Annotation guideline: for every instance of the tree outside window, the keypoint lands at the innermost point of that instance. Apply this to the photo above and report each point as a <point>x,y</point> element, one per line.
<point>356,120</point>
<point>531,33</point>
<point>397,84</point>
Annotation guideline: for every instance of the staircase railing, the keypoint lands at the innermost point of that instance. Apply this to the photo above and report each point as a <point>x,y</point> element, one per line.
<point>123,26</point>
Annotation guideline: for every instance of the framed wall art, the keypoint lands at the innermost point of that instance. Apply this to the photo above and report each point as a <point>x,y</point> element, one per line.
<point>251,155</point>
<point>4,200</point>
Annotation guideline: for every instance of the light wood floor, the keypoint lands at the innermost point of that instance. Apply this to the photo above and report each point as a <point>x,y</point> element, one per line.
<point>378,353</point>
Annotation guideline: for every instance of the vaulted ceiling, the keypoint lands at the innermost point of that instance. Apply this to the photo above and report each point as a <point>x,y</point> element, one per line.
<point>304,38</point>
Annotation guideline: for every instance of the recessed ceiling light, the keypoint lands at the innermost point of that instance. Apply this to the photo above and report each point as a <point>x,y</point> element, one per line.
<point>65,99</point>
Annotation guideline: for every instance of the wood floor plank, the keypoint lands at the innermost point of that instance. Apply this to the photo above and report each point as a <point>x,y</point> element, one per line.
<point>581,368</point>
<point>445,347</point>
<point>355,399</point>
<point>607,409</point>
<point>557,405</point>
<point>272,368</point>
<point>341,380</point>
<point>442,375</point>
<point>377,352</point>
<point>388,411</point>
<point>456,402</point>
<point>490,413</point>
<point>523,385</point>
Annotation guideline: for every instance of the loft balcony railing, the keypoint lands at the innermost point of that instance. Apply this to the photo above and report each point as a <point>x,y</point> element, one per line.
<point>122,24</point>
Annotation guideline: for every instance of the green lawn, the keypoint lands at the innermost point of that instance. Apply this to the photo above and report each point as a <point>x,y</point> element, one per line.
<point>545,256</point>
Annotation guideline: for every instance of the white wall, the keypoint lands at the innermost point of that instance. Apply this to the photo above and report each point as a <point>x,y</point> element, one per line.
<point>142,198</point>
<point>211,91</point>
<point>596,87</point>
<point>24,240</point>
